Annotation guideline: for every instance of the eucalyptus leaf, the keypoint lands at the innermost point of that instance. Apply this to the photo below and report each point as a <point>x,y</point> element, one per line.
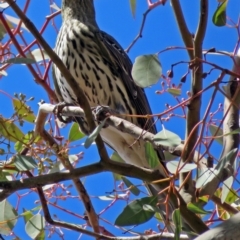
<point>151,155</point>
<point>146,70</point>
<point>167,138</point>
<point>75,133</point>
<point>19,60</point>
<point>174,167</point>
<point>178,223</point>
<point>91,138</point>
<point>23,110</point>
<point>24,163</point>
<point>218,137</point>
<point>35,225</point>
<point>8,217</point>
<point>133,7</point>
<point>196,209</point>
<point>130,185</point>
<point>227,184</point>
<point>219,17</point>
<point>134,213</point>
<point>9,130</point>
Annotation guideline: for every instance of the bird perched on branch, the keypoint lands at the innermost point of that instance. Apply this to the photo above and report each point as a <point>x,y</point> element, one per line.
<point>102,70</point>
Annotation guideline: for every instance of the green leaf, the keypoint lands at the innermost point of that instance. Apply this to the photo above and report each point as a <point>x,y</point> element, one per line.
<point>35,225</point>
<point>115,157</point>
<point>146,70</point>
<point>235,131</point>
<point>174,91</point>
<point>9,130</point>
<point>23,110</point>
<point>91,138</point>
<point>27,215</point>
<point>5,175</point>
<point>133,7</point>
<point>8,217</point>
<point>129,184</point>
<point>19,60</point>
<point>219,136</point>
<point>178,224</point>
<point>27,139</point>
<point>134,214</point>
<point>195,208</point>
<point>219,17</point>
<point>24,163</point>
<point>75,133</point>
<point>232,196</point>
<point>151,155</point>
<point>41,235</point>
<point>167,138</point>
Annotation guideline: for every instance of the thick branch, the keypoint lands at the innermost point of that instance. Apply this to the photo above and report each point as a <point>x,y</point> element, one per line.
<point>186,35</point>
<point>194,107</point>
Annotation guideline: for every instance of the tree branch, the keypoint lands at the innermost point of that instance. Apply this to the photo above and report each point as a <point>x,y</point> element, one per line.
<point>185,34</point>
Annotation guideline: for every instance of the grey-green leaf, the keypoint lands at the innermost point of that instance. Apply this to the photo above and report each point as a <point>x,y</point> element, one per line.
<point>24,163</point>
<point>35,225</point>
<point>146,70</point>
<point>167,138</point>
<point>213,129</point>
<point>227,184</point>
<point>91,138</point>
<point>174,167</point>
<point>20,60</point>
<point>8,217</point>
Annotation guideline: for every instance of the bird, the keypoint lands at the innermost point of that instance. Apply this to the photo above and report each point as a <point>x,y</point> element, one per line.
<point>102,69</point>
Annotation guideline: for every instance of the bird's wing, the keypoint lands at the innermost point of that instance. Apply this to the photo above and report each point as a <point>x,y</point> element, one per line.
<point>115,54</point>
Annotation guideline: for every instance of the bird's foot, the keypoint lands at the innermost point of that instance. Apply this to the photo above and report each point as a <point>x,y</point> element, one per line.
<point>102,112</point>
<point>58,111</point>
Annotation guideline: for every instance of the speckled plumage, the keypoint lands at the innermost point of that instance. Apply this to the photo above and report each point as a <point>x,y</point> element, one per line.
<point>103,71</point>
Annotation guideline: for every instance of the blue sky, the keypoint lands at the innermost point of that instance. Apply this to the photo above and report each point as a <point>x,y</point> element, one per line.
<point>160,32</point>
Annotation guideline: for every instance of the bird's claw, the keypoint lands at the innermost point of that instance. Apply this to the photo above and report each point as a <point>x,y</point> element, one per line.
<point>102,112</point>
<point>58,111</point>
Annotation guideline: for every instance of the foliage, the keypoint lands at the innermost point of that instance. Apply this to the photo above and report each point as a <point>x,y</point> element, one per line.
<point>122,202</point>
